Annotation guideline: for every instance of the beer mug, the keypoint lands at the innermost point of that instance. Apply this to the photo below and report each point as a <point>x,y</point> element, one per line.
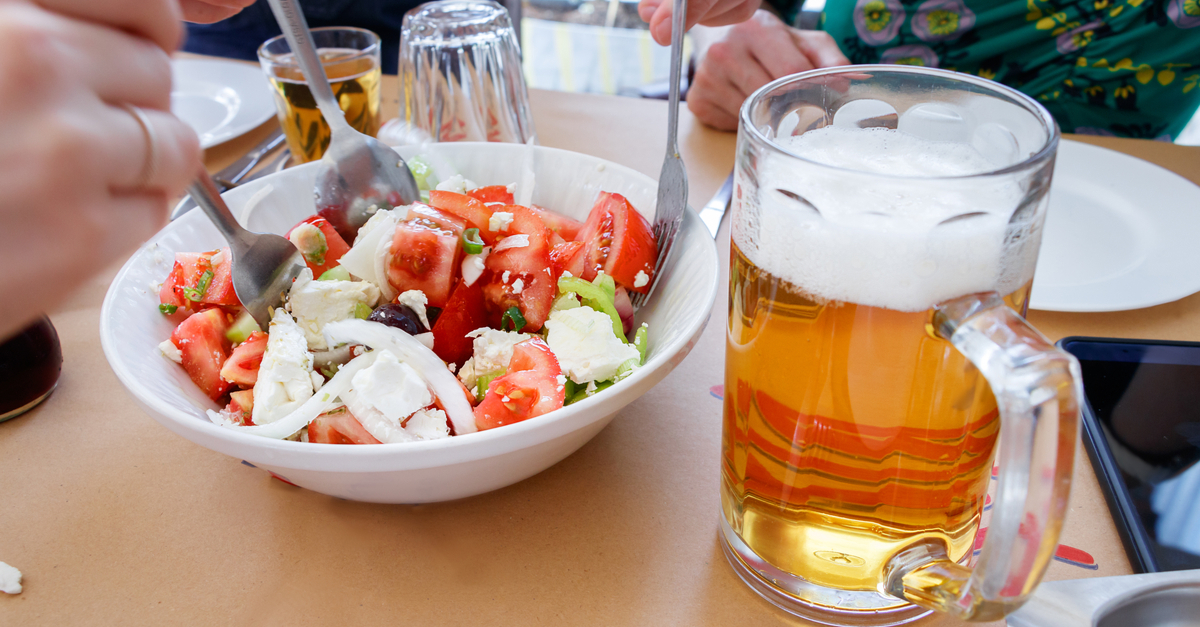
<point>885,226</point>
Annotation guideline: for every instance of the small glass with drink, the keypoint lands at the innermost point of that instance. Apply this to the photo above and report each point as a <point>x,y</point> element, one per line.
<point>885,227</point>
<point>351,58</point>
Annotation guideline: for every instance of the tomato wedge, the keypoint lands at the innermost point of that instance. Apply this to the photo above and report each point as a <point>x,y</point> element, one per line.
<point>530,388</point>
<point>567,257</point>
<point>334,243</point>
<point>339,426</point>
<point>464,312</point>
<point>242,366</point>
<point>564,226</point>
<point>241,407</point>
<point>619,242</point>
<point>434,218</point>
<point>492,193</point>
<point>522,276</point>
<point>424,258</point>
<point>472,210</point>
<point>196,282</point>
<point>169,297</point>
<point>201,340</point>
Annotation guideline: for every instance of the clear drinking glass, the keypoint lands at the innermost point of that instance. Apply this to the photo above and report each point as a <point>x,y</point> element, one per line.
<point>460,73</point>
<point>885,227</point>
<point>351,58</point>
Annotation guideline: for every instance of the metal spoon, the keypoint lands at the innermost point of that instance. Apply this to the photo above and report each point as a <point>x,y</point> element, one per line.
<point>263,266</point>
<point>359,173</point>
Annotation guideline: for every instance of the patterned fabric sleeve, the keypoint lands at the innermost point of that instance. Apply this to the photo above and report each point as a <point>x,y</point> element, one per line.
<point>1127,68</point>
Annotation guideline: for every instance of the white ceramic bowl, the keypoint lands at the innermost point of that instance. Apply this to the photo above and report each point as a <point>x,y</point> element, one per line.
<point>414,472</point>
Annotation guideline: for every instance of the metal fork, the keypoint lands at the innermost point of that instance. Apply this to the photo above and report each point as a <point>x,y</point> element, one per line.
<point>672,181</point>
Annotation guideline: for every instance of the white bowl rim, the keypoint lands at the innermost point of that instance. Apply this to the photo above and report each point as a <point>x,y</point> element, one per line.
<point>109,339</point>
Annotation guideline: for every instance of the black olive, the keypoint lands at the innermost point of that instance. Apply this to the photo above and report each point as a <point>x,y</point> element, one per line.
<point>400,316</point>
<point>432,313</point>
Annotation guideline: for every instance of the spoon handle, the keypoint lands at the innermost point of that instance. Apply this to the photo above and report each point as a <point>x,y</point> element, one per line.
<point>204,191</point>
<point>295,28</point>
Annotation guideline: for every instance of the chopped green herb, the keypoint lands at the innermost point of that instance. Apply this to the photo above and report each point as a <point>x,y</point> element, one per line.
<point>194,294</point>
<point>513,315</point>
<point>472,243</point>
<point>168,309</point>
<point>329,370</point>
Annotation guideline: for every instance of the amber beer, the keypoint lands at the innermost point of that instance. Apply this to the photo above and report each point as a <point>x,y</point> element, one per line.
<point>851,431</point>
<point>355,80</point>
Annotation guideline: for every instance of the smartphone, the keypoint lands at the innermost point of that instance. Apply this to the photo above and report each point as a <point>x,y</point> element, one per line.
<point>1141,426</point>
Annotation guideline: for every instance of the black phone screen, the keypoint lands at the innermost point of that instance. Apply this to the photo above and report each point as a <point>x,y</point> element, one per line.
<point>1142,428</point>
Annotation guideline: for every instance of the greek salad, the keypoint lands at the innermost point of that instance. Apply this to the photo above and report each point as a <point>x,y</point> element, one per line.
<point>460,313</point>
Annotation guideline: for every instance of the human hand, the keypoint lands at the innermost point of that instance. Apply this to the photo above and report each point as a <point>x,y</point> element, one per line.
<point>80,182</point>
<point>209,11</point>
<point>657,13</point>
<point>751,55</point>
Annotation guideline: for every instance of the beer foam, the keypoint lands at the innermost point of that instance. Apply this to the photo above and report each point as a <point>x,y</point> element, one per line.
<point>843,233</point>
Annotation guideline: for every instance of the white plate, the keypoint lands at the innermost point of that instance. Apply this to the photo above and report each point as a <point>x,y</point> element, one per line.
<point>1120,234</point>
<point>220,99</point>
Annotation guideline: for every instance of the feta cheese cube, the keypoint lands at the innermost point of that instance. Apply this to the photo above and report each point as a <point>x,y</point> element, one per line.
<point>640,279</point>
<point>416,301</point>
<point>391,387</point>
<point>10,579</point>
<point>500,221</point>
<point>317,303</point>
<point>428,424</point>
<point>457,184</point>
<point>284,378</point>
<point>170,351</point>
<point>586,347</point>
<point>492,351</point>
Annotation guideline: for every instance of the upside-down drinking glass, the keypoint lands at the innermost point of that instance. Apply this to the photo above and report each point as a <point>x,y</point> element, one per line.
<point>460,73</point>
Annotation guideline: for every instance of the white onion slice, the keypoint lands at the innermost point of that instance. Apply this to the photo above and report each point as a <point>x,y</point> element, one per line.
<point>425,338</point>
<point>409,349</point>
<point>386,291</point>
<point>321,401</point>
<point>360,259</point>
<point>254,201</point>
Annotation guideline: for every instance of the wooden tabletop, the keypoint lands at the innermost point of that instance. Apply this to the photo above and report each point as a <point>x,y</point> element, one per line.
<point>116,521</point>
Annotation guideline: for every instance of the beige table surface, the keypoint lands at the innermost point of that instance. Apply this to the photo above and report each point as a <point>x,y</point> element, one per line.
<point>116,521</point>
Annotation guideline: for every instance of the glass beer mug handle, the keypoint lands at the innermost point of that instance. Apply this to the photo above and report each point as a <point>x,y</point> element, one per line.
<point>1038,391</point>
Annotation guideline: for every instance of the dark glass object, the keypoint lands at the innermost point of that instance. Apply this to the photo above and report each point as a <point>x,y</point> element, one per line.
<point>400,316</point>
<point>30,363</point>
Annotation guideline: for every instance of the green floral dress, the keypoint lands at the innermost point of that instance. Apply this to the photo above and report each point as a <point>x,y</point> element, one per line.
<point>1129,68</point>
